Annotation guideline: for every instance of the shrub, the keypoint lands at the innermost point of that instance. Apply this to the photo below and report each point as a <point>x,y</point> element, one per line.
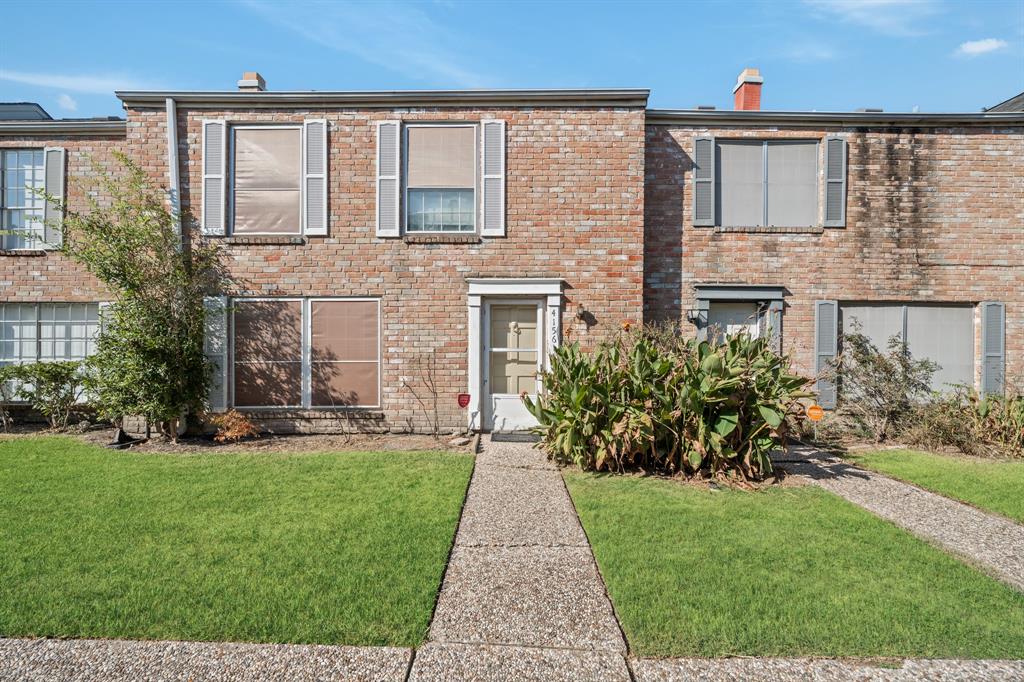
<point>974,424</point>
<point>880,390</point>
<point>233,426</point>
<point>659,402</point>
<point>52,388</point>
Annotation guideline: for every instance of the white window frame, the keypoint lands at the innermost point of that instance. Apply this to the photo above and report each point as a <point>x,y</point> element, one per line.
<point>306,324</point>
<point>39,241</point>
<point>230,227</point>
<point>404,193</point>
<point>818,169</point>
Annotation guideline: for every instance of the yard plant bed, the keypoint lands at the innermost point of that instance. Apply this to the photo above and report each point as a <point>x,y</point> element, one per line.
<point>993,485</point>
<point>332,548</point>
<point>783,572</point>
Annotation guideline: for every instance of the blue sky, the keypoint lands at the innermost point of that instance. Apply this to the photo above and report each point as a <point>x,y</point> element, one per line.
<point>936,55</point>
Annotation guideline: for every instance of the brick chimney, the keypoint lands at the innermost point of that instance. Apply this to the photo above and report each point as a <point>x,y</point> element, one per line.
<point>747,93</point>
<point>252,81</point>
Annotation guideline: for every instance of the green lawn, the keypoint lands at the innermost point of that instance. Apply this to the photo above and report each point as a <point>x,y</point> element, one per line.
<point>322,548</point>
<point>993,485</point>
<point>783,572</point>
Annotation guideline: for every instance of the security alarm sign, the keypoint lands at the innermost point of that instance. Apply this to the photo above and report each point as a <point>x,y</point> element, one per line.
<point>815,413</point>
<point>463,399</point>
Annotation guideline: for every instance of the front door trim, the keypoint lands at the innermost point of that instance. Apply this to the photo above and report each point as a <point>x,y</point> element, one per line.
<point>497,288</point>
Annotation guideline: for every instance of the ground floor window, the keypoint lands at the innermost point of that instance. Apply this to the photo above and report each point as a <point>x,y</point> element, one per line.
<point>33,332</point>
<point>726,318</point>
<point>317,353</point>
<point>943,334</point>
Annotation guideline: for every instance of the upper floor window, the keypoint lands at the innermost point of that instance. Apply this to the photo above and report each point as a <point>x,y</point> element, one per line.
<point>441,163</point>
<point>266,194</point>
<point>22,208</point>
<point>767,183</point>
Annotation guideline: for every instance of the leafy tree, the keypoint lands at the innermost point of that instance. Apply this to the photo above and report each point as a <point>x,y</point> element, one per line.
<point>52,388</point>
<point>149,358</point>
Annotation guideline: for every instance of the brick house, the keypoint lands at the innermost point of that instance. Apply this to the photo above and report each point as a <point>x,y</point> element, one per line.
<point>390,251</point>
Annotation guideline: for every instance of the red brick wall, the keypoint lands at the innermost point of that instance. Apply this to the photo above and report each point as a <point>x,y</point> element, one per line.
<point>932,215</point>
<point>574,210</point>
<point>50,276</point>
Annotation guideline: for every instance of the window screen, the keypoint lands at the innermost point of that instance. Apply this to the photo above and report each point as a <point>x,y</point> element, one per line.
<point>728,318</point>
<point>441,178</point>
<point>943,334</point>
<point>514,346</point>
<point>268,353</point>
<point>266,175</point>
<point>22,209</point>
<point>773,183</point>
<point>344,353</point>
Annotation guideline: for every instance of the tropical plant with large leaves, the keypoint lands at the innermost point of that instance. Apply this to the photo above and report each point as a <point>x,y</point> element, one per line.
<point>657,402</point>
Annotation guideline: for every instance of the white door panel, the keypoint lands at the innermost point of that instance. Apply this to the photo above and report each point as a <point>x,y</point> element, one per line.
<point>513,357</point>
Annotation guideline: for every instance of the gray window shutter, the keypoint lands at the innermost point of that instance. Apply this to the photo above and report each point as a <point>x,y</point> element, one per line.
<point>993,347</point>
<point>314,213</point>
<point>826,345</point>
<point>214,177</point>
<point>492,205</point>
<point>389,157</point>
<point>835,182</point>
<point>215,346</point>
<point>55,160</point>
<point>704,182</point>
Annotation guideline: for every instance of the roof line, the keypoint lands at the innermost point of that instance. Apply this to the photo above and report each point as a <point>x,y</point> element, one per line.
<point>391,98</point>
<point>65,127</point>
<point>849,118</point>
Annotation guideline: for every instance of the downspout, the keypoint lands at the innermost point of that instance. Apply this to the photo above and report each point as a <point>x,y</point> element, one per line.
<point>173,183</point>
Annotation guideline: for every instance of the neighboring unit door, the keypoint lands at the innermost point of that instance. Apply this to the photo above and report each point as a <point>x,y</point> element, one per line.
<point>513,338</point>
<point>728,318</point>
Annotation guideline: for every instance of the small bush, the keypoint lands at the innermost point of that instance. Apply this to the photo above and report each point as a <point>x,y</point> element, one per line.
<point>880,391</point>
<point>654,400</point>
<point>973,424</point>
<point>52,388</point>
<point>233,426</point>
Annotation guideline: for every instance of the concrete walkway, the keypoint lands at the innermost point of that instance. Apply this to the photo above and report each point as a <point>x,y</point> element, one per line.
<point>522,598</point>
<point>992,543</point>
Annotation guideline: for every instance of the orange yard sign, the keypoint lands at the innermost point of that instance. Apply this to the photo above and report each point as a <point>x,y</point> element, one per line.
<point>815,413</point>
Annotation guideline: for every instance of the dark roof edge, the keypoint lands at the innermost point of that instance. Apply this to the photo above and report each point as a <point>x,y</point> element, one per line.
<point>618,97</point>
<point>1015,103</point>
<point>59,127</point>
<point>811,118</point>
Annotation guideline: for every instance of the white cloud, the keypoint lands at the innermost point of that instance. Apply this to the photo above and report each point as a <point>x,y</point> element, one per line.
<point>891,17</point>
<point>96,84</point>
<point>67,102</point>
<point>808,52</point>
<point>402,38</point>
<point>974,48</point>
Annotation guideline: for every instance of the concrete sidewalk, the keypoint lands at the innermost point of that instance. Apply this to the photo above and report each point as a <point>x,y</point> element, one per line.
<point>522,597</point>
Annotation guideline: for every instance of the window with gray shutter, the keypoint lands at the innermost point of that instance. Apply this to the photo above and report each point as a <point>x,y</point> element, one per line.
<point>993,347</point>
<point>56,160</point>
<point>835,182</point>
<point>766,183</point>
<point>388,187</point>
<point>215,347</point>
<point>740,180</point>
<point>492,209</point>
<point>704,181</point>
<point>214,175</point>
<point>826,341</point>
<point>315,177</point>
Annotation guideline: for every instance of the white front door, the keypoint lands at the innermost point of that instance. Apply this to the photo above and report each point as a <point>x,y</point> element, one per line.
<point>513,357</point>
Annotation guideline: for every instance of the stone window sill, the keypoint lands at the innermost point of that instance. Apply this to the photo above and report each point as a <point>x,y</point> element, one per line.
<point>265,240</point>
<point>441,239</point>
<point>27,253</point>
<point>809,229</point>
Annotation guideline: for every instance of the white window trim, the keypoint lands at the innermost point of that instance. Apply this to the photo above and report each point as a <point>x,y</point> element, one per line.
<point>230,203</point>
<point>404,192</point>
<point>41,244</point>
<point>818,179</point>
<point>306,324</point>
